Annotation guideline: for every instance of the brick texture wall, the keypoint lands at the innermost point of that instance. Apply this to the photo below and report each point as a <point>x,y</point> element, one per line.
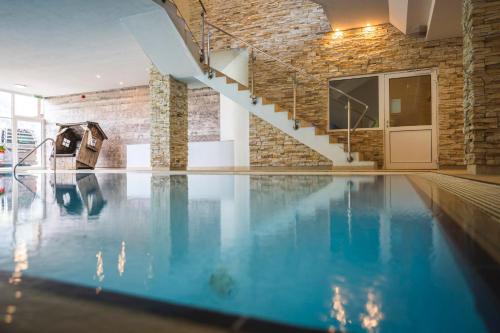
<point>481,26</point>
<point>203,115</point>
<point>298,32</point>
<point>269,147</point>
<point>123,115</point>
<point>169,122</point>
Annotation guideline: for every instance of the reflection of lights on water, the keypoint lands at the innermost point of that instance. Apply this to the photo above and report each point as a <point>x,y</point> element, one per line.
<point>373,315</point>
<point>122,259</point>
<point>151,274</point>
<point>66,199</point>
<point>20,263</point>
<point>100,267</point>
<point>338,310</point>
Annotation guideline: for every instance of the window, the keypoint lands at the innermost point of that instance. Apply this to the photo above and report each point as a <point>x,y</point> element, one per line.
<point>5,104</point>
<point>5,142</point>
<point>366,89</point>
<point>25,106</point>
<point>23,115</point>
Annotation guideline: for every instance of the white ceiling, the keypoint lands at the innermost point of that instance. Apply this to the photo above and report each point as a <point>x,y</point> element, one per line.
<point>57,47</point>
<point>435,18</point>
<point>348,14</point>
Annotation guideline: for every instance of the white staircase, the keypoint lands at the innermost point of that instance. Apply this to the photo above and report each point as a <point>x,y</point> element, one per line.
<point>183,61</point>
<point>279,118</point>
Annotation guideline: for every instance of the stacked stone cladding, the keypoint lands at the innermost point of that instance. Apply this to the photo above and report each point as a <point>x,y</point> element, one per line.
<point>481,25</point>
<point>169,122</point>
<point>297,31</point>
<point>203,115</point>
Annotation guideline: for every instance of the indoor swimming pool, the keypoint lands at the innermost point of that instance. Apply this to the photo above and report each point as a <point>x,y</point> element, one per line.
<point>333,253</point>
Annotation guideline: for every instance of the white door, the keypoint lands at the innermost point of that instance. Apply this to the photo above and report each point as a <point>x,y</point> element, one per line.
<point>410,120</point>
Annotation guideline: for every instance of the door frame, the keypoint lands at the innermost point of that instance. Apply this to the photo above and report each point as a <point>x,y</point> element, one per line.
<point>433,127</point>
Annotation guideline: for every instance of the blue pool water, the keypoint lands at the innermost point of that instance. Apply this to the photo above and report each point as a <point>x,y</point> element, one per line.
<point>362,254</point>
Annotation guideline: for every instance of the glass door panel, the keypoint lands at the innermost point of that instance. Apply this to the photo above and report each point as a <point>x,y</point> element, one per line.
<point>6,147</point>
<point>29,134</point>
<point>410,101</point>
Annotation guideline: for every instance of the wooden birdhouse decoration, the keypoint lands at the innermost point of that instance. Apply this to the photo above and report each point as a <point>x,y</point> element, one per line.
<point>78,145</point>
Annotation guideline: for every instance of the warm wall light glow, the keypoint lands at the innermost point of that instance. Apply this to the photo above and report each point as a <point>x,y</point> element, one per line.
<point>338,33</point>
<point>369,28</point>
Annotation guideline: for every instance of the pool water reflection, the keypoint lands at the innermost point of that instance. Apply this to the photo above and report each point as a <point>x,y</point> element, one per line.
<point>362,254</point>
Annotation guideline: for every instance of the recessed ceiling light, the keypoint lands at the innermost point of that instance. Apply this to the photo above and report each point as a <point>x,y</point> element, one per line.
<point>98,76</point>
<point>120,83</point>
<point>20,86</point>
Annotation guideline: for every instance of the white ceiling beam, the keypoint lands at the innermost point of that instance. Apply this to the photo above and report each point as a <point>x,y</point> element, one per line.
<point>445,19</point>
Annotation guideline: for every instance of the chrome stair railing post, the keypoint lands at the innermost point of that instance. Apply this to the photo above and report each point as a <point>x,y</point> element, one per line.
<point>349,155</point>
<point>210,70</point>
<point>252,76</point>
<point>35,149</point>
<point>296,123</point>
<point>202,51</point>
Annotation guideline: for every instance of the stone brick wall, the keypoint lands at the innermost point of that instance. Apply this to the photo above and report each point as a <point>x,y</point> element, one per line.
<point>123,114</point>
<point>368,143</point>
<point>481,27</point>
<point>203,115</point>
<point>169,122</point>
<point>297,31</point>
<point>270,147</point>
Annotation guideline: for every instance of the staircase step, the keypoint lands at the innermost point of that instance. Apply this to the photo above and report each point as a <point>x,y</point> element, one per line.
<point>266,101</point>
<point>320,131</point>
<point>242,87</point>
<point>305,124</point>
<point>360,165</point>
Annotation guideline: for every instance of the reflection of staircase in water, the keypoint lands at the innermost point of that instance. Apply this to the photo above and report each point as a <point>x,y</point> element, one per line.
<point>341,190</point>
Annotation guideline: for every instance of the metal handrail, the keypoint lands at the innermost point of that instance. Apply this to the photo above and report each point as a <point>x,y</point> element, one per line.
<point>350,129</point>
<point>186,22</point>
<point>34,149</point>
<point>284,64</point>
<point>202,6</point>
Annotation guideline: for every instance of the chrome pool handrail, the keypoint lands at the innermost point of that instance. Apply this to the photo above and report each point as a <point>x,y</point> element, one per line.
<point>34,149</point>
